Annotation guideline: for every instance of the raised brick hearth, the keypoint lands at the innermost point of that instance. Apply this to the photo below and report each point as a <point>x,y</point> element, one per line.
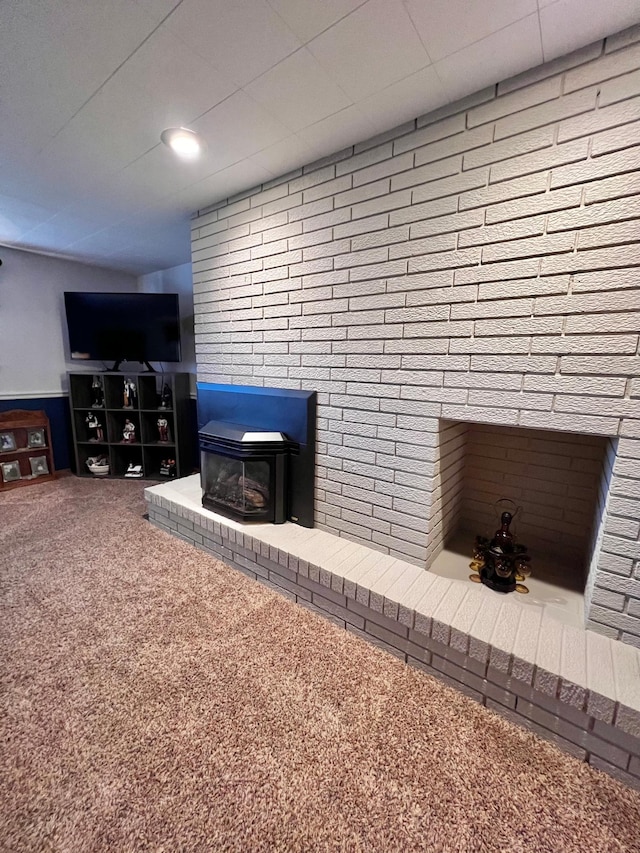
<point>573,687</point>
<point>476,266</point>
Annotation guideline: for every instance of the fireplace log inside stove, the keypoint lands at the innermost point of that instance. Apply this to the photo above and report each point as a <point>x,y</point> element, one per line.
<point>244,471</point>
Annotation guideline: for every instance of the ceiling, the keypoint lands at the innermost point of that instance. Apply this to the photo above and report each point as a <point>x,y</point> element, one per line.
<point>86,87</point>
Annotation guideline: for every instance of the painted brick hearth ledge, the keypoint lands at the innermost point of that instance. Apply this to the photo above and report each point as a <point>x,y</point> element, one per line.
<point>577,688</point>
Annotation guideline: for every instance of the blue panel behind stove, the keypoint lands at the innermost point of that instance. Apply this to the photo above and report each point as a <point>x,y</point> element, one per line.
<point>281,409</point>
<point>268,408</point>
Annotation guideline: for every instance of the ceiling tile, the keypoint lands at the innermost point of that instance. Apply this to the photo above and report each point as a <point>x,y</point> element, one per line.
<point>285,156</point>
<point>178,81</point>
<point>237,128</point>
<point>91,143</point>
<point>497,57</point>
<point>55,56</point>
<point>99,242</point>
<point>338,131</point>
<point>40,187</point>
<point>138,103</point>
<point>135,260</point>
<point>402,101</point>
<point>158,8</point>
<point>159,173</point>
<point>145,226</point>
<point>568,24</point>
<point>117,199</point>
<point>138,239</point>
<point>371,48</point>
<point>62,230</point>
<point>31,115</point>
<point>40,36</point>
<point>225,183</point>
<point>19,217</point>
<point>308,18</point>
<point>298,91</point>
<point>446,26</point>
<point>244,38</point>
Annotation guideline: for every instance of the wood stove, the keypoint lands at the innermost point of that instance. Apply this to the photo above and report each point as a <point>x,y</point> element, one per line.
<point>251,424</point>
<point>244,471</point>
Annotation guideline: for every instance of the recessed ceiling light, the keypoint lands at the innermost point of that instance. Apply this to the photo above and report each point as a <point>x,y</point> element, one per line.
<point>184,142</point>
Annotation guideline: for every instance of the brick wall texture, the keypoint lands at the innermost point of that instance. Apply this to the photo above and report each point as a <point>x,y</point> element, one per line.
<point>477,265</point>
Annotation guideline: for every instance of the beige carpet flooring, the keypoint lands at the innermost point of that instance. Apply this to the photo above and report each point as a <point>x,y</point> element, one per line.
<point>155,700</point>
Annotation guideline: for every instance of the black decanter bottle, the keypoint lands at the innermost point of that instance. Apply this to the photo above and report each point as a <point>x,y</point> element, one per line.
<point>500,560</point>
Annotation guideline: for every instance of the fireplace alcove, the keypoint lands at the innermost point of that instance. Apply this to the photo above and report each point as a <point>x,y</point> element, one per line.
<point>559,479</point>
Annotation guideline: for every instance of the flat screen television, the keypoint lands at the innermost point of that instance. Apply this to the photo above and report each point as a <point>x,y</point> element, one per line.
<point>123,327</point>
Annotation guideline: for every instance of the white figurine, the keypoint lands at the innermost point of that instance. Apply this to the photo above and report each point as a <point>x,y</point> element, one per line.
<point>163,429</point>
<point>130,395</point>
<point>129,432</point>
<point>97,393</point>
<point>95,427</point>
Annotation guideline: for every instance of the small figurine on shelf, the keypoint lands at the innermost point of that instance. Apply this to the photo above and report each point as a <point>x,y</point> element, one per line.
<point>98,465</point>
<point>163,429</point>
<point>94,426</point>
<point>130,395</point>
<point>97,393</point>
<point>168,468</point>
<point>134,470</point>
<point>129,432</point>
<point>166,398</point>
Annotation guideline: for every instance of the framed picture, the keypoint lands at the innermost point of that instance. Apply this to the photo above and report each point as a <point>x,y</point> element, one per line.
<point>7,441</point>
<point>35,438</point>
<point>38,465</point>
<point>10,471</point>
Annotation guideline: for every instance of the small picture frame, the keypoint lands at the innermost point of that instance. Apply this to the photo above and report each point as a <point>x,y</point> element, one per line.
<point>10,471</point>
<point>36,438</point>
<point>7,442</point>
<point>39,466</point>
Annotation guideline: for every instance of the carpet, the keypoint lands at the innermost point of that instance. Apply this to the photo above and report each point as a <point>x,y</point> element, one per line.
<point>154,699</point>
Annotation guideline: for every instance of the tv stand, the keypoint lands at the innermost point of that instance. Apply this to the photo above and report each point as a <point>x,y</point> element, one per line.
<point>116,366</point>
<point>145,430</point>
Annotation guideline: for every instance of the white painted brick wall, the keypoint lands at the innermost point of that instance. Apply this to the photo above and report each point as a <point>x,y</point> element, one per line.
<point>477,265</point>
<point>447,485</point>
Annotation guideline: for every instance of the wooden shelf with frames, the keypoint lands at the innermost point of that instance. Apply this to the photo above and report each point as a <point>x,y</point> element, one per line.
<point>26,456</point>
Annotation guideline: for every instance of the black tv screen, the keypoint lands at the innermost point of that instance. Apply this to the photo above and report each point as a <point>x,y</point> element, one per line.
<point>123,326</point>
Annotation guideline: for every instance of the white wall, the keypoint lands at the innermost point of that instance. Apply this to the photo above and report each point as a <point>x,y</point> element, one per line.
<point>34,347</point>
<point>177,280</point>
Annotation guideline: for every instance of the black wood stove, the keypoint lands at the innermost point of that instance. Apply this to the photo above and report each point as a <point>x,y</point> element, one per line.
<point>258,450</point>
<point>245,471</point>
